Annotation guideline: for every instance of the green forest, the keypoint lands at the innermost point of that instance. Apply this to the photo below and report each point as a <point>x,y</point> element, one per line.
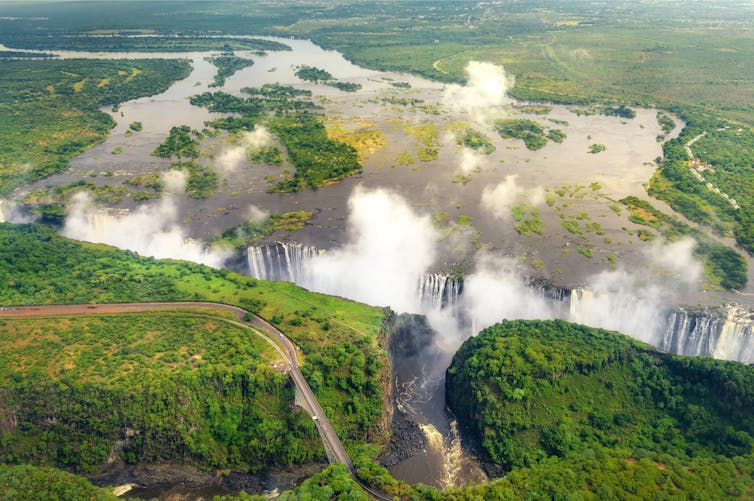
<point>49,110</point>
<point>723,265</point>
<point>227,65</point>
<point>115,43</point>
<point>339,339</point>
<point>167,387</point>
<point>179,143</point>
<point>31,483</point>
<point>531,391</point>
<point>729,150</point>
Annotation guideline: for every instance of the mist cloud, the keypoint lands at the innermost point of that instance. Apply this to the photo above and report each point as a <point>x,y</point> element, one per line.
<point>231,158</point>
<point>497,290</point>
<point>471,161</point>
<point>499,199</point>
<point>621,301</point>
<point>256,215</point>
<point>10,212</point>
<point>486,86</point>
<point>151,230</point>
<point>174,181</point>
<point>389,247</point>
<point>676,261</point>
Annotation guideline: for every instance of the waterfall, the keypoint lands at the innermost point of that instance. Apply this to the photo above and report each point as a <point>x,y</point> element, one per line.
<point>729,336</point>
<point>437,291</point>
<point>281,261</point>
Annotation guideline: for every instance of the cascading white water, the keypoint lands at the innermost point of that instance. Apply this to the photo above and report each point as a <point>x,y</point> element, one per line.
<point>727,337</point>
<point>282,261</point>
<point>437,291</point>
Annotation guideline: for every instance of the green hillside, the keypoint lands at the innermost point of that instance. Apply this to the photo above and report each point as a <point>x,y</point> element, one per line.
<point>566,405</point>
<point>147,388</point>
<point>340,343</point>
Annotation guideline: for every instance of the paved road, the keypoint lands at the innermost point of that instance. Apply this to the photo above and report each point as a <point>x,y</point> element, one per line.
<point>284,346</point>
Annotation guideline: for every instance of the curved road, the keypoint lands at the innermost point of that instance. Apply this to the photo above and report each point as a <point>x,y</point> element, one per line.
<point>284,346</point>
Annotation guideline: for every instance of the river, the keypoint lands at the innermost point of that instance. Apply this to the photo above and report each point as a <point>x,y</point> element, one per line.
<point>431,187</point>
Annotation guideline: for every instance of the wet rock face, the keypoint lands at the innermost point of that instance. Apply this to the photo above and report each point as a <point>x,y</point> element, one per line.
<point>411,334</point>
<point>406,440</point>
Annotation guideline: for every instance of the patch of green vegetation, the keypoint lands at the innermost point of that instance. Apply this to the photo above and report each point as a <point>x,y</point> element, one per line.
<point>250,232</point>
<point>313,74</point>
<point>202,181</point>
<point>58,122</point>
<point>572,226</point>
<point>152,184</point>
<point>534,109</point>
<point>428,136</point>
<point>318,159</point>
<point>585,251</point>
<point>50,202</point>
<point>556,135</point>
<point>277,91</point>
<point>346,86</point>
<point>595,186</point>
<point>723,265</point>
<point>596,148</point>
<point>615,208</point>
<point>400,101</point>
<point>465,220</point>
<point>179,143</point>
<point>117,150</point>
<point>666,123</point>
<point>595,228</point>
<point>611,259</point>
<point>529,131</point>
<point>136,126</point>
<point>477,141</point>
<point>262,100</point>
<point>227,65</point>
<point>618,111</point>
<point>401,85</point>
<point>27,482</point>
<point>561,389</point>
<point>602,473</point>
<point>645,235</point>
<point>267,155</point>
<point>141,44</point>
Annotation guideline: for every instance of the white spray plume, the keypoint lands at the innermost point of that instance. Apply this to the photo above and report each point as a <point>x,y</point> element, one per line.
<point>497,290</point>
<point>486,86</point>
<point>174,181</point>
<point>257,138</point>
<point>10,212</point>
<point>621,301</point>
<point>388,248</point>
<point>499,199</point>
<point>229,160</point>
<point>676,261</point>
<point>151,230</point>
<point>232,158</point>
<point>256,215</point>
<point>470,161</point>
